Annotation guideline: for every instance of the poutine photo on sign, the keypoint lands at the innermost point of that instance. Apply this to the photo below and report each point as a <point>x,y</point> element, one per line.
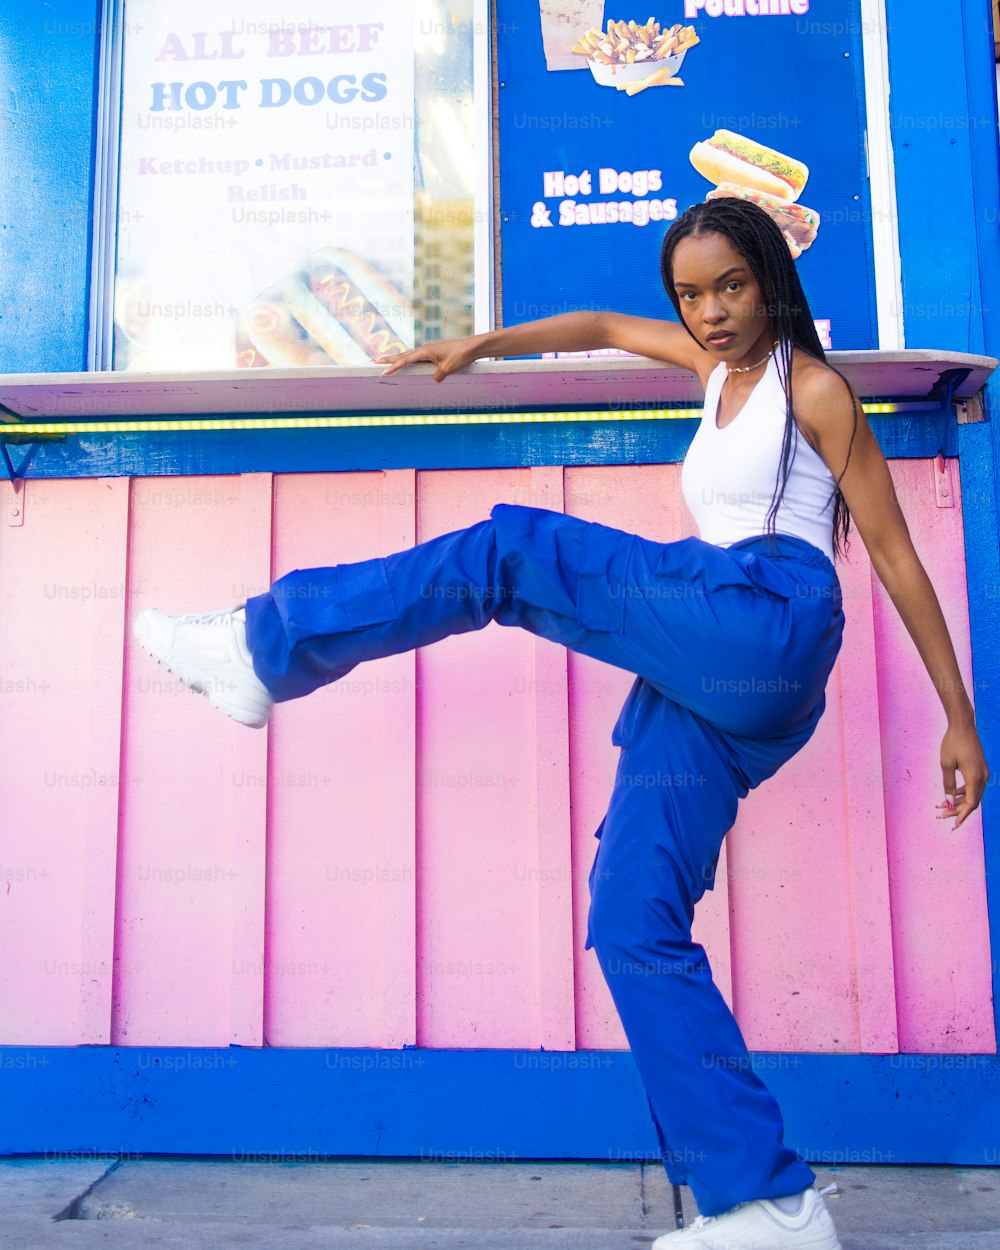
<point>631,57</point>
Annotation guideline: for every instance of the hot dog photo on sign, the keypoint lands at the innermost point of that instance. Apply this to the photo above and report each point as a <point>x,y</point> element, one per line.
<point>631,58</point>
<point>743,168</point>
<point>337,310</point>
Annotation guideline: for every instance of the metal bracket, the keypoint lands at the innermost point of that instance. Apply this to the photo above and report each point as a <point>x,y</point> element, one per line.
<point>14,503</point>
<point>944,486</point>
<point>13,507</point>
<point>14,474</point>
<point>941,392</point>
<point>34,441</point>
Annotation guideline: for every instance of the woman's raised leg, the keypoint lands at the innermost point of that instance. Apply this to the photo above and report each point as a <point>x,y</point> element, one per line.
<point>685,616</point>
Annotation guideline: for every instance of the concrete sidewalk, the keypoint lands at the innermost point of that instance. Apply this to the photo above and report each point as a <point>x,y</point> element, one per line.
<point>189,1203</point>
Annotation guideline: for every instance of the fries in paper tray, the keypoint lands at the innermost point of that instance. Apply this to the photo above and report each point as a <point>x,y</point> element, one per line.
<point>632,57</point>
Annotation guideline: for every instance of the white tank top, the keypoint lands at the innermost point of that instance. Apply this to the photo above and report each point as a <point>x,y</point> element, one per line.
<point>728,476</point>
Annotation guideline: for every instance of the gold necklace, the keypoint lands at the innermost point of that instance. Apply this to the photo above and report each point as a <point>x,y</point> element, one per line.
<point>748,368</point>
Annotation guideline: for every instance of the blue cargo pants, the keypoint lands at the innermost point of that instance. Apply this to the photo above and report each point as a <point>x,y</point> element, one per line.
<point>731,648</point>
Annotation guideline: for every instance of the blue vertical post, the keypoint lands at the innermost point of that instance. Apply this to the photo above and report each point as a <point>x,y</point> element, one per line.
<point>982,527</point>
<point>48,74</point>
<point>949,233</point>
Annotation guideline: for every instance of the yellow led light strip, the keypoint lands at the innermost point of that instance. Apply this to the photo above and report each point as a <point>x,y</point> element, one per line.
<point>305,423</point>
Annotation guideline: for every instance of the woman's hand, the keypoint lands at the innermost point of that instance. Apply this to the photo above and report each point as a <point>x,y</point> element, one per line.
<point>962,750</point>
<point>449,355</point>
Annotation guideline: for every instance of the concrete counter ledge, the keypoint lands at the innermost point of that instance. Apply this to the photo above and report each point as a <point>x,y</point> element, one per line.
<point>611,383</point>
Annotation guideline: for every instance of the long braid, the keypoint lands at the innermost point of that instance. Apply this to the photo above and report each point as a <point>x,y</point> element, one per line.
<point>759,240</point>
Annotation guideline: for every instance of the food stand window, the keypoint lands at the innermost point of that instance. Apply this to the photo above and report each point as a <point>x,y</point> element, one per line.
<point>291,186</point>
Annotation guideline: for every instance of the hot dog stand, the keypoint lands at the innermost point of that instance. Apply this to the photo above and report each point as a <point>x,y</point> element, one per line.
<point>181,895</point>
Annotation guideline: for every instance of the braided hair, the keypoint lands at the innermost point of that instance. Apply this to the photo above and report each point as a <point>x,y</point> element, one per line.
<point>759,240</point>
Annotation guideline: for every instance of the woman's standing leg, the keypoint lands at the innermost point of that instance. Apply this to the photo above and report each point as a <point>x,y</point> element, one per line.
<point>675,798</point>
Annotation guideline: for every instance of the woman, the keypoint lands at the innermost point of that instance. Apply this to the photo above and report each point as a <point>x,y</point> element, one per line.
<point>731,635</point>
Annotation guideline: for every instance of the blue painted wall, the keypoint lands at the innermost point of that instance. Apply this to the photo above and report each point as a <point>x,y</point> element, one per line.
<point>356,448</point>
<point>500,1105</point>
<point>48,56</point>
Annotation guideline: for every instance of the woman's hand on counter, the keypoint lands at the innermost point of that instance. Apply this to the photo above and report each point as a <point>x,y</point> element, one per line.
<point>572,331</point>
<point>449,355</point>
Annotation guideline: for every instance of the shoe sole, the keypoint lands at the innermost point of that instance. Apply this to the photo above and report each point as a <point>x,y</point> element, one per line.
<point>823,1244</point>
<point>810,1238</point>
<point>255,717</point>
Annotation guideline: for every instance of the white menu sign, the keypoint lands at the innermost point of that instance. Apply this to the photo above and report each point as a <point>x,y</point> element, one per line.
<point>266,184</point>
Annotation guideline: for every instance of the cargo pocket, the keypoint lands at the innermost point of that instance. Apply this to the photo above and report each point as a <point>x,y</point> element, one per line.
<point>707,568</point>
<point>348,597</point>
<point>601,587</point>
<point>768,576</point>
<point>366,594</point>
<point>563,564</point>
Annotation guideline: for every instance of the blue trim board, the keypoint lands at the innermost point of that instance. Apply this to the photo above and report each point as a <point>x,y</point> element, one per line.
<point>979,457</point>
<point>941,143</point>
<point>47,118</point>
<point>855,34</point>
<point>357,448</point>
<point>980,444</point>
<point>469,1104</point>
<point>946,274</point>
<point>984,169</point>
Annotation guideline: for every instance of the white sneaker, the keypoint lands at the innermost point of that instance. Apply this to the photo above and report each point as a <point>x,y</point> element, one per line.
<point>758,1225</point>
<point>209,653</point>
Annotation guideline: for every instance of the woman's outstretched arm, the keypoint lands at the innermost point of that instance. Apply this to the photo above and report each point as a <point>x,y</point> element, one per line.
<point>824,408</point>
<point>566,332</point>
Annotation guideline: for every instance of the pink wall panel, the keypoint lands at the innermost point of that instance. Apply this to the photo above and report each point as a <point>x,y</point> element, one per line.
<point>548,689</point>
<point>641,499</point>
<point>189,969</point>
<point>341,845</point>
<point>486,860</point>
<point>802,981</point>
<point>62,594</point>
<point>937,873</point>
<point>402,857</point>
